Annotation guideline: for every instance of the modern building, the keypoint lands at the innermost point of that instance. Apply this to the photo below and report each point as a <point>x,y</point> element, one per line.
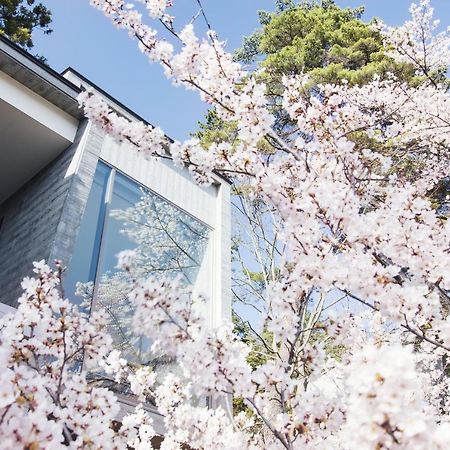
<point>70,192</point>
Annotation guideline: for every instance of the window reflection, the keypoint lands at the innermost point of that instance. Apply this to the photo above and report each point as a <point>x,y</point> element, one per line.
<point>121,215</point>
<point>168,242</point>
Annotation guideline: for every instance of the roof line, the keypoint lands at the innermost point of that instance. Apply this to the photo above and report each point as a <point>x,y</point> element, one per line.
<point>32,59</point>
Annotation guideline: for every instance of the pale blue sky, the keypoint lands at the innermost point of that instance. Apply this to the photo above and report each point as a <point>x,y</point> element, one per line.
<point>86,40</point>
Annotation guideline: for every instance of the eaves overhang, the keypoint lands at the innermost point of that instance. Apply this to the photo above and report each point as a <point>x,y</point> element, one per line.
<point>39,78</point>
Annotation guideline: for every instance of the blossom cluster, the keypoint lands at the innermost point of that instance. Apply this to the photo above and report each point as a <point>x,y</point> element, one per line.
<point>416,42</point>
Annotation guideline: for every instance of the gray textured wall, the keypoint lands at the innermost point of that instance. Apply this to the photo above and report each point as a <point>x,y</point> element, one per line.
<point>41,220</point>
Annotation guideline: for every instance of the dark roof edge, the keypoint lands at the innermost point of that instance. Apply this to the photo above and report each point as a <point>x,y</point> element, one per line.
<point>40,69</point>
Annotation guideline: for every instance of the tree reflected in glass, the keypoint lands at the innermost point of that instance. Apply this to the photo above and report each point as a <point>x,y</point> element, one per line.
<point>167,243</point>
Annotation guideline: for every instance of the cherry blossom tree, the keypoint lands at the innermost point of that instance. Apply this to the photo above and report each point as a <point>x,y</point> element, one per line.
<point>45,400</point>
<point>356,229</point>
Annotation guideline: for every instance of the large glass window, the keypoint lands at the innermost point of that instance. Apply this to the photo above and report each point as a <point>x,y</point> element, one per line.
<point>122,215</point>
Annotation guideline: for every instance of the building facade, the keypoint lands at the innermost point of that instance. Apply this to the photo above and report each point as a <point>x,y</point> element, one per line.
<point>70,192</point>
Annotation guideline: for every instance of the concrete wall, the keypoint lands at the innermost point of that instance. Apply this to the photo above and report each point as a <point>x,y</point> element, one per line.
<point>29,221</point>
<point>81,174</point>
<point>40,220</point>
